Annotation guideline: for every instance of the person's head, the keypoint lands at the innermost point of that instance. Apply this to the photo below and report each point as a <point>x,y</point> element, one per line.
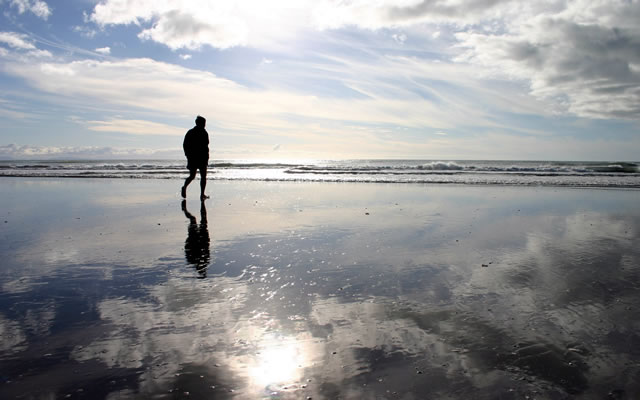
<point>200,121</point>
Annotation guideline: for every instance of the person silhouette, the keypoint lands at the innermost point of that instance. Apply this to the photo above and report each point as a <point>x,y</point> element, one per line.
<point>196,246</point>
<point>196,149</point>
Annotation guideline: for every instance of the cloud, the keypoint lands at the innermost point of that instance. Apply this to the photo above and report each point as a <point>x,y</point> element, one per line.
<point>135,127</point>
<point>399,37</point>
<point>103,50</point>
<point>16,40</point>
<point>21,152</point>
<point>333,14</point>
<point>192,24</point>
<point>185,56</point>
<point>177,24</point>
<point>161,87</point>
<point>306,125</point>
<point>582,56</point>
<point>85,31</point>
<point>21,41</point>
<point>300,108</point>
<point>38,7</point>
<point>13,110</point>
<point>40,54</point>
<point>179,30</point>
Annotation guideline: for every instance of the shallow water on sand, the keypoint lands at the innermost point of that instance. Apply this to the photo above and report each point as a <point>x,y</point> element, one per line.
<point>117,289</point>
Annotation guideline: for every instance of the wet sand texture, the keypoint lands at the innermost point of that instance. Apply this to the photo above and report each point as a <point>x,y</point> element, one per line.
<point>115,289</point>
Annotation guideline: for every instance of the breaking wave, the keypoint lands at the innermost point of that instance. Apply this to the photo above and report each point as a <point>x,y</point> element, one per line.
<point>545,173</point>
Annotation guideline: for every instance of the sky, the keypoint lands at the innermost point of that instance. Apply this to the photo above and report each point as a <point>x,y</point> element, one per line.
<point>321,79</point>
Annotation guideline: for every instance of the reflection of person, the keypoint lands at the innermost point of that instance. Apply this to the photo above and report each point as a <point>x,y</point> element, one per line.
<point>196,148</point>
<point>196,247</point>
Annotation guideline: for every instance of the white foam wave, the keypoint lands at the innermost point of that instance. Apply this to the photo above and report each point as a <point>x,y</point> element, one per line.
<point>441,166</point>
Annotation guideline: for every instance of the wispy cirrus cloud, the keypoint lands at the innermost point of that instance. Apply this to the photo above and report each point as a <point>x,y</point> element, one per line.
<point>388,94</point>
<point>12,110</point>
<point>327,125</point>
<point>135,127</point>
<point>583,55</point>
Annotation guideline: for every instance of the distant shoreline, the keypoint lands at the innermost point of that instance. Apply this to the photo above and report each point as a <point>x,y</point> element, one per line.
<point>491,173</point>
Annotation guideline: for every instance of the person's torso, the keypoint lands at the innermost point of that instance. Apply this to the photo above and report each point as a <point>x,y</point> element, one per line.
<point>197,143</point>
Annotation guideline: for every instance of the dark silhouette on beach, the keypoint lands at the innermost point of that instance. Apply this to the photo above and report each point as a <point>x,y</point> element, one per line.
<point>196,149</point>
<point>196,247</point>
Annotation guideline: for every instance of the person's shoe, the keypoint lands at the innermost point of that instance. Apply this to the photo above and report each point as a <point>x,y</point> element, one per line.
<point>184,192</point>
<point>203,197</point>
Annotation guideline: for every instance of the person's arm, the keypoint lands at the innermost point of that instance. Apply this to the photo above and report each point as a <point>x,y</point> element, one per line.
<point>187,145</point>
<point>207,147</point>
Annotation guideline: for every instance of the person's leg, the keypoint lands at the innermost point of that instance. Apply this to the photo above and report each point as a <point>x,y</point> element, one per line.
<point>203,181</point>
<point>192,176</point>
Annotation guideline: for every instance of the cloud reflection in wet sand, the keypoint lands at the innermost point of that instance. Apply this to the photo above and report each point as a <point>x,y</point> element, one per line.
<point>436,292</point>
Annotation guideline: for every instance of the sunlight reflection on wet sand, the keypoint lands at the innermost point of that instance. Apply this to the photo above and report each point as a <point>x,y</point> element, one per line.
<point>318,289</point>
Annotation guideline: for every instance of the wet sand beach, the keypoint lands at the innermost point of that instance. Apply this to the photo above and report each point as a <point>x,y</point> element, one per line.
<point>115,288</point>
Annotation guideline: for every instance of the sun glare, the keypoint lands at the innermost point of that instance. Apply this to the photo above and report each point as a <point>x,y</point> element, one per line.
<point>278,365</point>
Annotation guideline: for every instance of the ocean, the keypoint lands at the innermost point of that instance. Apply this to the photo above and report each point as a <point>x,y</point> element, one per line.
<point>528,173</point>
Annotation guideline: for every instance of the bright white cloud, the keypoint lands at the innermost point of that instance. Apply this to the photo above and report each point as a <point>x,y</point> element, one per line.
<point>580,54</point>
<point>16,40</point>
<point>178,30</point>
<point>192,24</point>
<point>21,41</point>
<point>127,11</point>
<point>177,24</point>
<point>185,56</point>
<point>40,54</point>
<point>38,7</point>
<point>104,50</point>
